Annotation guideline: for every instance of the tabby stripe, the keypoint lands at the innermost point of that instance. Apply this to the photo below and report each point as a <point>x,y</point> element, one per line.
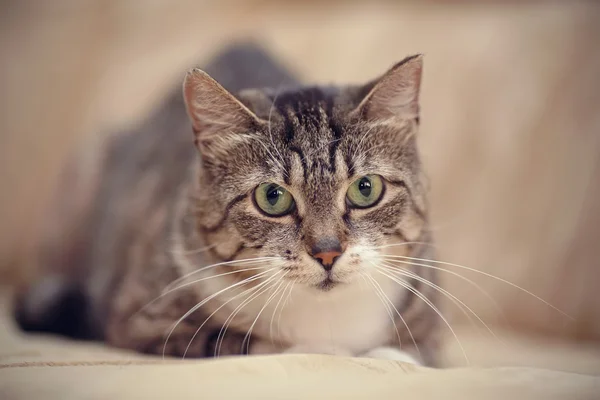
<point>219,225</point>
<point>288,125</point>
<point>337,134</point>
<point>336,130</point>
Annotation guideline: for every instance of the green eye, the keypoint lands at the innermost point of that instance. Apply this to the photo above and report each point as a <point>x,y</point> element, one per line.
<point>365,191</point>
<point>273,200</point>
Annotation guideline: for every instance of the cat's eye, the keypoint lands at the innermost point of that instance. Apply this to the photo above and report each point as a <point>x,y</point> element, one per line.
<point>273,200</point>
<point>365,191</point>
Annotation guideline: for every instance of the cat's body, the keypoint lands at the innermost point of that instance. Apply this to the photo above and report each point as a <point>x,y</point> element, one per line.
<point>157,212</point>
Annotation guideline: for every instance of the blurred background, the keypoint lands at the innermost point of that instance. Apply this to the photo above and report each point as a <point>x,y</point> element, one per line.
<point>510,129</point>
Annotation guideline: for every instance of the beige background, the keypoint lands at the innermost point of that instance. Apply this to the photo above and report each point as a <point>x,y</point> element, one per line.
<point>510,133</point>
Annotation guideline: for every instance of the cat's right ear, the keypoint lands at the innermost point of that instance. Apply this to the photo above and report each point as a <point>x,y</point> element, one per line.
<point>213,110</point>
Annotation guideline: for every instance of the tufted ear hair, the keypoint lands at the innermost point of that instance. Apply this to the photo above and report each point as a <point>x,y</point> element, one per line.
<point>395,94</point>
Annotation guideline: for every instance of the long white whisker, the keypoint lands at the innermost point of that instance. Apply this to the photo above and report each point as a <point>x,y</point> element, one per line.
<point>206,300</point>
<point>364,280</point>
<point>256,292</point>
<point>287,299</point>
<point>455,300</point>
<point>275,311</point>
<point>412,338</point>
<point>266,286</point>
<point>249,333</point>
<point>408,287</point>
<point>213,313</point>
<point>384,300</point>
<point>392,259</point>
<point>196,271</point>
<point>237,271</point>
<point>165,293</point>
<point>490,276</point>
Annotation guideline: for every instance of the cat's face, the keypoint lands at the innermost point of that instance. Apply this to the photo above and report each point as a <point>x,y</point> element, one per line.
<point>324,180</point>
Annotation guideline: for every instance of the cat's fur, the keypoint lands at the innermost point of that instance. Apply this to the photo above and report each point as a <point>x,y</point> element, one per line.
<point>170,199</point>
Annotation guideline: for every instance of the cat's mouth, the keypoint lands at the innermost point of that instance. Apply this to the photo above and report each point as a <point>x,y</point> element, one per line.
<point>327,284</point>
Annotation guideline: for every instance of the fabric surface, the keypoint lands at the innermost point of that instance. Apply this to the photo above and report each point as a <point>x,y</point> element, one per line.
<point>289,376</point>
<point>51,368</point>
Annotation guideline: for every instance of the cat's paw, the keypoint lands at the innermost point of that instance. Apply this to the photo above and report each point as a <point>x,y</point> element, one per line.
<point>312,349</point>
<point>391,353</point>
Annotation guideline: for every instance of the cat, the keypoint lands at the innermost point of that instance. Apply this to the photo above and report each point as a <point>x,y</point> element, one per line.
<point>250,215</point>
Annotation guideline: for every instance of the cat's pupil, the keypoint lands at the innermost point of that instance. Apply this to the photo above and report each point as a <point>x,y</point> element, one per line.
<point>273,193</point>
<point>364,187</point>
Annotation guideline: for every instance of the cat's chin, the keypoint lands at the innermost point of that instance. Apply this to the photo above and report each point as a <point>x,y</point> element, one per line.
<point>327,284</point>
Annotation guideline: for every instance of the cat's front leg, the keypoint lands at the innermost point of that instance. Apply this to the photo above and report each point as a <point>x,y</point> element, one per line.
<point>392,353</point>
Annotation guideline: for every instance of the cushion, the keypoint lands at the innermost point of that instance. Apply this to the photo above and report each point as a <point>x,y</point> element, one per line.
<point>52,368</point>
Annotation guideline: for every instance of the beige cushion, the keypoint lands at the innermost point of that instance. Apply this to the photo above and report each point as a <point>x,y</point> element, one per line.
<point>49,368</point>
<point>286,376</point>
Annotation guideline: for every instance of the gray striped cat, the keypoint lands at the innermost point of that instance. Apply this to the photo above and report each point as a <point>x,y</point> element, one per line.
<point>284,219</point>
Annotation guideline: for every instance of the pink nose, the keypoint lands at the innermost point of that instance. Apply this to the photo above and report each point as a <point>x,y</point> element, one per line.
<point>327,258</point>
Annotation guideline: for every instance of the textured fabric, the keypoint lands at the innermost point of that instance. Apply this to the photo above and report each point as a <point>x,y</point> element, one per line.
<point>49,368</point>
<point>290,376</point>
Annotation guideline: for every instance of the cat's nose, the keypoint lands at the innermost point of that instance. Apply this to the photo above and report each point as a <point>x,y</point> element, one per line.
<point>326,251</point>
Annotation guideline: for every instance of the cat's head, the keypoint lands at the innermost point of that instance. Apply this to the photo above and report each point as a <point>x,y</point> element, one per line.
<point>323,179</point>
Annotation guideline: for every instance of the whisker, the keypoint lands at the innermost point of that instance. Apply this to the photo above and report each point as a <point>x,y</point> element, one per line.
<point>268,284</point>
<point>249,333</point>
<point>254,288</point>
<point>455,300</point>
<point>408,287</point>
<point>384,300</point>
<point>289,295</point>
<point>196,271</point>
<point>412,338</point>
<point>489,276</point>
<point>495,304</point>
<point>275,312</point>
<point>364,280</point>
<point>165,293</point>
<point>237,271</point>
<point>206,300</point>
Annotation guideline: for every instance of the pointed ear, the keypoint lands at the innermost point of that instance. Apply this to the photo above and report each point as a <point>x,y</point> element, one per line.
<point>395,94</point>
<point>212,109</point>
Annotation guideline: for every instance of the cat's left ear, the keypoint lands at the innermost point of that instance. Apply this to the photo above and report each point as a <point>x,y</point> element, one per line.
<point>213,110</point>
<point>396,94</point>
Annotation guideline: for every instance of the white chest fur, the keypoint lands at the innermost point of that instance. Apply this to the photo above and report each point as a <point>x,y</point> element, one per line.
<point>350,318</point>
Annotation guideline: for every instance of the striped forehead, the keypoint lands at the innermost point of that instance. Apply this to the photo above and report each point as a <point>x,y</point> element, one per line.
<point>311,134</point>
